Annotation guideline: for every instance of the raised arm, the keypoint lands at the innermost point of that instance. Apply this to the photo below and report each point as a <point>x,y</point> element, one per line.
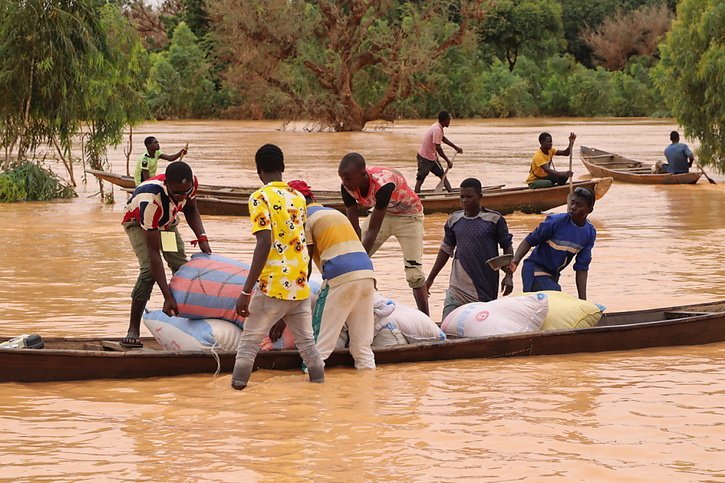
<point>565,152</point>
<point>173,157</point>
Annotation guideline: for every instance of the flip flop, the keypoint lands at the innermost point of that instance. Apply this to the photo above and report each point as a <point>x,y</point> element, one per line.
<point>131,342</point>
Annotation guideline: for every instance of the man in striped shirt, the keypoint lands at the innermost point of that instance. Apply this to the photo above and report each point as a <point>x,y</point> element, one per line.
<point>150,222</point>
<point>348,272</point>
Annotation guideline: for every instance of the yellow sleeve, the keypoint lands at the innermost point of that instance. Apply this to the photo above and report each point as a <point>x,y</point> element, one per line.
<point>259,213</point>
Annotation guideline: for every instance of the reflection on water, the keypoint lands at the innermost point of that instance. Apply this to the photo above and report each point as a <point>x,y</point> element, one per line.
<point>66,269</point>
<point>648,414</point>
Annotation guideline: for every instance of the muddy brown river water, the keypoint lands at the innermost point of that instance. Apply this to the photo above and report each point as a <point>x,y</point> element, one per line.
<point>66,269</point>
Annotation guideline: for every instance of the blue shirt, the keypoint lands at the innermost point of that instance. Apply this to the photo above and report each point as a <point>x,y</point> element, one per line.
<point>471,241</point>
<point>678,155</point>
<point>557,240</point>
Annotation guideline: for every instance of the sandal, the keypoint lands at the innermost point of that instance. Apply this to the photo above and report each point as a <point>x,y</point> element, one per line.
<point>131,342</point>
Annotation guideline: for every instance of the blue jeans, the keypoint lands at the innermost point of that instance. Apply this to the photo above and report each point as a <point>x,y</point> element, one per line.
<point>536,283</point>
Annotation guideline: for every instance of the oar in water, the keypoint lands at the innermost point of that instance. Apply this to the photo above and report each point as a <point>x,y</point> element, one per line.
<point>712,181</point>
<point>442,183</point>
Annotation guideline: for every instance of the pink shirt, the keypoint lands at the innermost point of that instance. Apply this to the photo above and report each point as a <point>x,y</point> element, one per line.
<point>433,136</point>
<point>403,201</point>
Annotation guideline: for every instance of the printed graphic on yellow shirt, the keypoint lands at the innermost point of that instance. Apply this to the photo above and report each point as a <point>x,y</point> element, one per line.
<point>281,210</point>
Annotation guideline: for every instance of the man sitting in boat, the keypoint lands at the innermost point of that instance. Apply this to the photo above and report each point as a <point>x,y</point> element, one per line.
<point>396,211</point>
<point>679,157</point>
<point>542,173</point>
<point>349,280</point>
<point>148,163</point>
<point>472,236</point>
<point>558,239</point>
<point>150,221</point>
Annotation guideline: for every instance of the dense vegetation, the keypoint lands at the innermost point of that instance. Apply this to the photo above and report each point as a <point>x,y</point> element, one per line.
<point>100,65</point>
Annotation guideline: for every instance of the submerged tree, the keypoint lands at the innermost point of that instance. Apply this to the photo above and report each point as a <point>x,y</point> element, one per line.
<point>691,72</point>
<point>342,63</point>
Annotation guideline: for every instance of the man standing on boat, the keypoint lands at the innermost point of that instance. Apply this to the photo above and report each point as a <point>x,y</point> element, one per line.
<point>396,211</point>
<point>679,157</point>
<point>430,150</point>
<point>542,173</point>
<point>150,221</point>
<point>148,163</point>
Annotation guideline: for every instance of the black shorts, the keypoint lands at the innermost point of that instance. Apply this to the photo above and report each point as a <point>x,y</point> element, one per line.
<point>426,166</point>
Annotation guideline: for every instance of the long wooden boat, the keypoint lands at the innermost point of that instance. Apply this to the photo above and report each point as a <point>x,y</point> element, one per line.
<point>503,200</point>
<point>65,359</point>
<point>602,163</point>
<point>226,192</point>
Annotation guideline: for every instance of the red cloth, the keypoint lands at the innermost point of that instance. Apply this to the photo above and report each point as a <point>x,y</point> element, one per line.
<point>302,187</point>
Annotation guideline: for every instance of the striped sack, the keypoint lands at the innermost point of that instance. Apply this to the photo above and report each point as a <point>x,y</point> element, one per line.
<point>207,287</point>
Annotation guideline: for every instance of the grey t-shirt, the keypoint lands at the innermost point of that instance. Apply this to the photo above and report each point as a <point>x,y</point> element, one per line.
<point>677,155</point>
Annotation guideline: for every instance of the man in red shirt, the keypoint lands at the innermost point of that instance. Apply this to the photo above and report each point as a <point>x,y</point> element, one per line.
<point>396,211</point>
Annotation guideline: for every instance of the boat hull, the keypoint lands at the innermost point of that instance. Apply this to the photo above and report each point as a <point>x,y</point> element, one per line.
<point>83,359</point>
<point>508,200</point>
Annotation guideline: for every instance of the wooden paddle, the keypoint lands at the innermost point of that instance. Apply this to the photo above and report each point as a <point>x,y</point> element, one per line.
<point>712,181</point>
<point>442,183</point>
<point>185,149</point>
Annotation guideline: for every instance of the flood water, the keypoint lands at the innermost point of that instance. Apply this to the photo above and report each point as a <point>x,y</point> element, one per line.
<point>66,269</point>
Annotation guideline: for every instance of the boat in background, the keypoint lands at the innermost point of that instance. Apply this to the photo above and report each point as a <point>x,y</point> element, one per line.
<point>66,359</point>
<point>504,200</point>
<point>602,163</point>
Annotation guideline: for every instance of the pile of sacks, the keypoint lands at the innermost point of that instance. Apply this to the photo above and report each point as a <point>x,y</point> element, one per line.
<point>206,289</point>
<point>532,312</point>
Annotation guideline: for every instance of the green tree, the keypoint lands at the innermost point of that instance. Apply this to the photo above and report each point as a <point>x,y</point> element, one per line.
<point>341,63</point>
<point>691,75</point>
<point>180,84</point>
<point>515,27</point>
<point>66,75</point>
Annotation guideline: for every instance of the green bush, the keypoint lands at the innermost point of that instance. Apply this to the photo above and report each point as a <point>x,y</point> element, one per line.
<point>32,182</point>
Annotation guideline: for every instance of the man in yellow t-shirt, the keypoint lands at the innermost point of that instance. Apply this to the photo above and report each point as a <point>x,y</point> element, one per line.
<point>542,173</point>
<point>280,265</point>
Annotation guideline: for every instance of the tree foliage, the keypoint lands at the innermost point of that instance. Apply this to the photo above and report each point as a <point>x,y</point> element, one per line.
<point>691,75</point>
<point>71,69</point>
<point>515,27</point>
<point>343,63</point>
<point>179,84</point>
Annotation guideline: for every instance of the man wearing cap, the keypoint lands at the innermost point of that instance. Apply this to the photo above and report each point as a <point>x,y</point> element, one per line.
<point>348,274</point>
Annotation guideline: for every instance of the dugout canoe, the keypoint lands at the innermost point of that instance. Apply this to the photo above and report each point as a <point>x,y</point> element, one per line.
<point>602,163</point>
<point>65,359</point>
<point>225,192</point>
<point>503,200</point>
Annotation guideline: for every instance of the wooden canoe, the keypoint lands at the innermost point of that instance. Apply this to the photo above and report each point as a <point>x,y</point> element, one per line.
<point>229,192</point>
<point>506,200</point>
<point>65,359</point>
<point>601,163</point>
